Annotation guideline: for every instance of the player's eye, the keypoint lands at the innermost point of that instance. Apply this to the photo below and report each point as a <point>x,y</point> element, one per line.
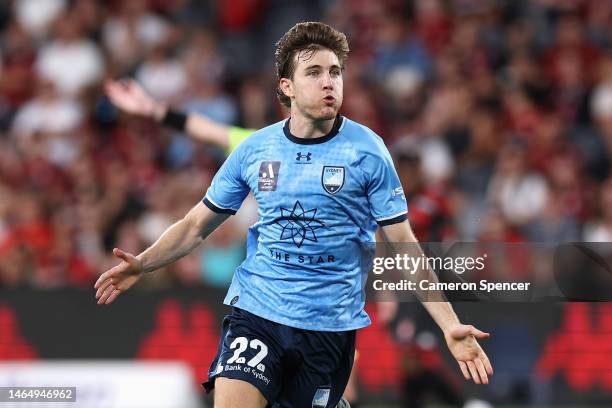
<point>312,73</point>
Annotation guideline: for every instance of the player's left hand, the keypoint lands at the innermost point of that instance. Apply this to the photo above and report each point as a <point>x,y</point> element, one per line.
<point>473,361</point>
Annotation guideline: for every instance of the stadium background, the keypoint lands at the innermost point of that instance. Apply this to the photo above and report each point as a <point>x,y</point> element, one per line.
<point>498,113</point>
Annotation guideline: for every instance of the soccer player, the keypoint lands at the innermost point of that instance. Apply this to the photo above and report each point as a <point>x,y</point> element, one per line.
<point>323,183</point>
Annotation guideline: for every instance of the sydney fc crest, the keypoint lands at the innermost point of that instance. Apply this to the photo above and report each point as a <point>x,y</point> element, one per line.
<point>321,397</point>
<point>332,178</point>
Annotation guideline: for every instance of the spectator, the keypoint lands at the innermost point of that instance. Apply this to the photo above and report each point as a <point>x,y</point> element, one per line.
<point>46,123</point>
<point>131,32</point>
<point>519,193</point>
<point>70,61</point>
<point>600,228</point>
<point>162,75</point>
<point>36,16</point>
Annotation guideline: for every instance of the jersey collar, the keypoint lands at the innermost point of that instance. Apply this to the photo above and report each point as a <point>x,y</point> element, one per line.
<point>315,140</point>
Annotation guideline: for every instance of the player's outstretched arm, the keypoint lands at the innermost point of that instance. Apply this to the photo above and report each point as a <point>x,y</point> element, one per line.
<point>131,98</point>
<point>177,241</point>
<point>460,338</point>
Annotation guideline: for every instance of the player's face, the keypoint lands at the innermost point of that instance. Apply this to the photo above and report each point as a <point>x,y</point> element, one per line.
<point>317,84</point>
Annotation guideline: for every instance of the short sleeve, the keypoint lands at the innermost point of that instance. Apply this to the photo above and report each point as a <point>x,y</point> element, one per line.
<point>384,190</point>
<point>228,189</point>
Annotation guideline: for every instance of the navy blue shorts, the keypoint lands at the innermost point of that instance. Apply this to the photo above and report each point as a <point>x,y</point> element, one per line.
<point>290,367</point>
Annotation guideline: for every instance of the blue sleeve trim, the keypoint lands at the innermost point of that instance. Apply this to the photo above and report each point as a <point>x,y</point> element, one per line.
<point>394,220</point>
<point>216,209</point>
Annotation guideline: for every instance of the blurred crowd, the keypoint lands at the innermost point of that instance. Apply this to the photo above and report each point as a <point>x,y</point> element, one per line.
<point>498,114</point>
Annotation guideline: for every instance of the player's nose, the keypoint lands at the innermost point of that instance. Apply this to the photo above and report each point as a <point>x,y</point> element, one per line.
<point>327,81</point>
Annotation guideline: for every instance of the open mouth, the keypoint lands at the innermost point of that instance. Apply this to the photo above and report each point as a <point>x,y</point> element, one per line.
<point>329,99</point>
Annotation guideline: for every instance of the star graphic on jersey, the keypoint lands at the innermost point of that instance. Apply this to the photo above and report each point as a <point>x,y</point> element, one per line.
<point>298,224</point>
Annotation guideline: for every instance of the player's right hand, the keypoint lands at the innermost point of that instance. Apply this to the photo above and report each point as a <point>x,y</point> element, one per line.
<point>131,98</point>
<point>119,278</point>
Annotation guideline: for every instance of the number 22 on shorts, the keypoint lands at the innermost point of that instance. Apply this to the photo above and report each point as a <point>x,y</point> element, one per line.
<point>240,344</point>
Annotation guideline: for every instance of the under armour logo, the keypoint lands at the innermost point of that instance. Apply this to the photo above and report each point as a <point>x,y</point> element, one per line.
<point>303,156</point>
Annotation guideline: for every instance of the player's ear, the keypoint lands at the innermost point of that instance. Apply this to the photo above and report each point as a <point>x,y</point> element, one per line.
<point>286,85</point>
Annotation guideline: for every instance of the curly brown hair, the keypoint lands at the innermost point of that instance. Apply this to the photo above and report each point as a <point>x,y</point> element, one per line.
<point>310,37</point>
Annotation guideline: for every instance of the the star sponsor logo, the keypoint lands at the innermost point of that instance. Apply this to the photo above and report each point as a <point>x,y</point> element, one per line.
<point>298,224</point>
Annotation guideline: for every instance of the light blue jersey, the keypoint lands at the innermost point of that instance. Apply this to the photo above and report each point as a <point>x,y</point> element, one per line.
<point>320,201</point>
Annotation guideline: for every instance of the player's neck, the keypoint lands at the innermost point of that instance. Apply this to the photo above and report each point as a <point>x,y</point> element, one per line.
<point>306,128</point>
